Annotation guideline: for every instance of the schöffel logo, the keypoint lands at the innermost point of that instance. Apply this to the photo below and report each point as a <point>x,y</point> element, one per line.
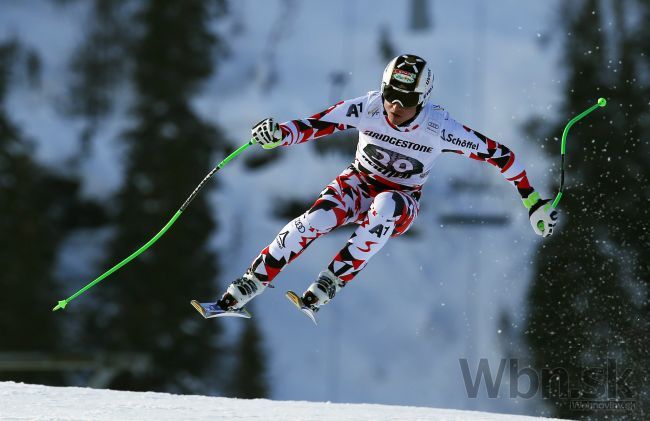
<point>463,143</point>
<point>282,237</point>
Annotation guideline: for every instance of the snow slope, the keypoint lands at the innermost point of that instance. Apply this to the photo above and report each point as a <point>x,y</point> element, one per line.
<point>35,402</point>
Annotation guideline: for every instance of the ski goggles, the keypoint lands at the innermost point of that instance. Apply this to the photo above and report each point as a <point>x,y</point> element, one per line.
<point>405,98</point>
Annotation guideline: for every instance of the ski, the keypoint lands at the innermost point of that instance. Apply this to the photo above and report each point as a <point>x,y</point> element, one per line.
<point>210,310</point>
<point>297,301</point>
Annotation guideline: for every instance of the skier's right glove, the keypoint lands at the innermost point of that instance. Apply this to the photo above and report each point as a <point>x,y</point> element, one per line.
<point>267,133</point>
<point>543,217</point>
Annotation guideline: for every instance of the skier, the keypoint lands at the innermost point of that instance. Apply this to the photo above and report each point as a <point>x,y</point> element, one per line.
<point>400,136</point>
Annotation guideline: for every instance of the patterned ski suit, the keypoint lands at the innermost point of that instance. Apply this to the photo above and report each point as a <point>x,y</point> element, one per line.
<point>380,191</point>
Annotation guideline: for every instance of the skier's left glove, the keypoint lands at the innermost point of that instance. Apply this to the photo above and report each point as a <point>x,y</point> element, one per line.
<point>543,216</point>
<point>267,133</point>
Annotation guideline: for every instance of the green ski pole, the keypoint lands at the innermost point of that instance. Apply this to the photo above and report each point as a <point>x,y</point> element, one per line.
<point>63,303</point>
<point>601,103</point>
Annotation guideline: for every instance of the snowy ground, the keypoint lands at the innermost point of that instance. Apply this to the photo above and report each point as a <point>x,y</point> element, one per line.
<point>35,402</point>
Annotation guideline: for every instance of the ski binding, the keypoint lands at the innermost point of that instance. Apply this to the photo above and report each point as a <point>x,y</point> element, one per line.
<point>297,301</point>
<point>210,310</point>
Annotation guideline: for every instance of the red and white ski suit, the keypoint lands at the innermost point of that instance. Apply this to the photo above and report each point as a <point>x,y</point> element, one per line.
<point>380,191</point>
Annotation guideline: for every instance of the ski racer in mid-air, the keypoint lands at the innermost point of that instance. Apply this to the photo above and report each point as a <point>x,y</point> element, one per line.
<point>400,136</point>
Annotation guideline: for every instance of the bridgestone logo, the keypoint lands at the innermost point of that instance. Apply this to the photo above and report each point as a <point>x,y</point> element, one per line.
<point>399,142</point>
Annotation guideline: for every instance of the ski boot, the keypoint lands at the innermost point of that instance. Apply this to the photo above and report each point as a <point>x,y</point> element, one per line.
<point>318,294</point>
<point>240,292</point>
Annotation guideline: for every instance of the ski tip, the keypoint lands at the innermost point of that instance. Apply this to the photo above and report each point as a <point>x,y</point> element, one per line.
<point>297,301</point>
<point>294,298</point>
<point>197,306</point>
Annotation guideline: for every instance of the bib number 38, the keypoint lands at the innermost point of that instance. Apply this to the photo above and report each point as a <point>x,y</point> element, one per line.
<point>391,163</point>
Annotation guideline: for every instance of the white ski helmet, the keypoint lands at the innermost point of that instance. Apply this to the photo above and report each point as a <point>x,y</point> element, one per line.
<point>408,80</point>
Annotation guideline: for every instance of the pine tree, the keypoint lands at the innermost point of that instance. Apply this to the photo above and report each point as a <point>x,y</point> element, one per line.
<point>145,308</point>
<point>99,65</point>
<point>38,208</point>
<point>589,300</point>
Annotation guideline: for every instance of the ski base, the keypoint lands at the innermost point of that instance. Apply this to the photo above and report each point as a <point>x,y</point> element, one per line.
<point>297,301</point>
<point>210,310</point>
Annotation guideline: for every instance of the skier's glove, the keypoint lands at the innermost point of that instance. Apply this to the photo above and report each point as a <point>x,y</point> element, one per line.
<point>543,217</point>
<point>267,133</point>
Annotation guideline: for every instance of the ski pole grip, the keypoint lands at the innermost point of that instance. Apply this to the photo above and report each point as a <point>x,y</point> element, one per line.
<point>601,102</point>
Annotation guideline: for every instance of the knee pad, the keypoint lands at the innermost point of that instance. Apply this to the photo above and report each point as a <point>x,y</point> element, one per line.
<point>388,204</point>
<point>321,220</point>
